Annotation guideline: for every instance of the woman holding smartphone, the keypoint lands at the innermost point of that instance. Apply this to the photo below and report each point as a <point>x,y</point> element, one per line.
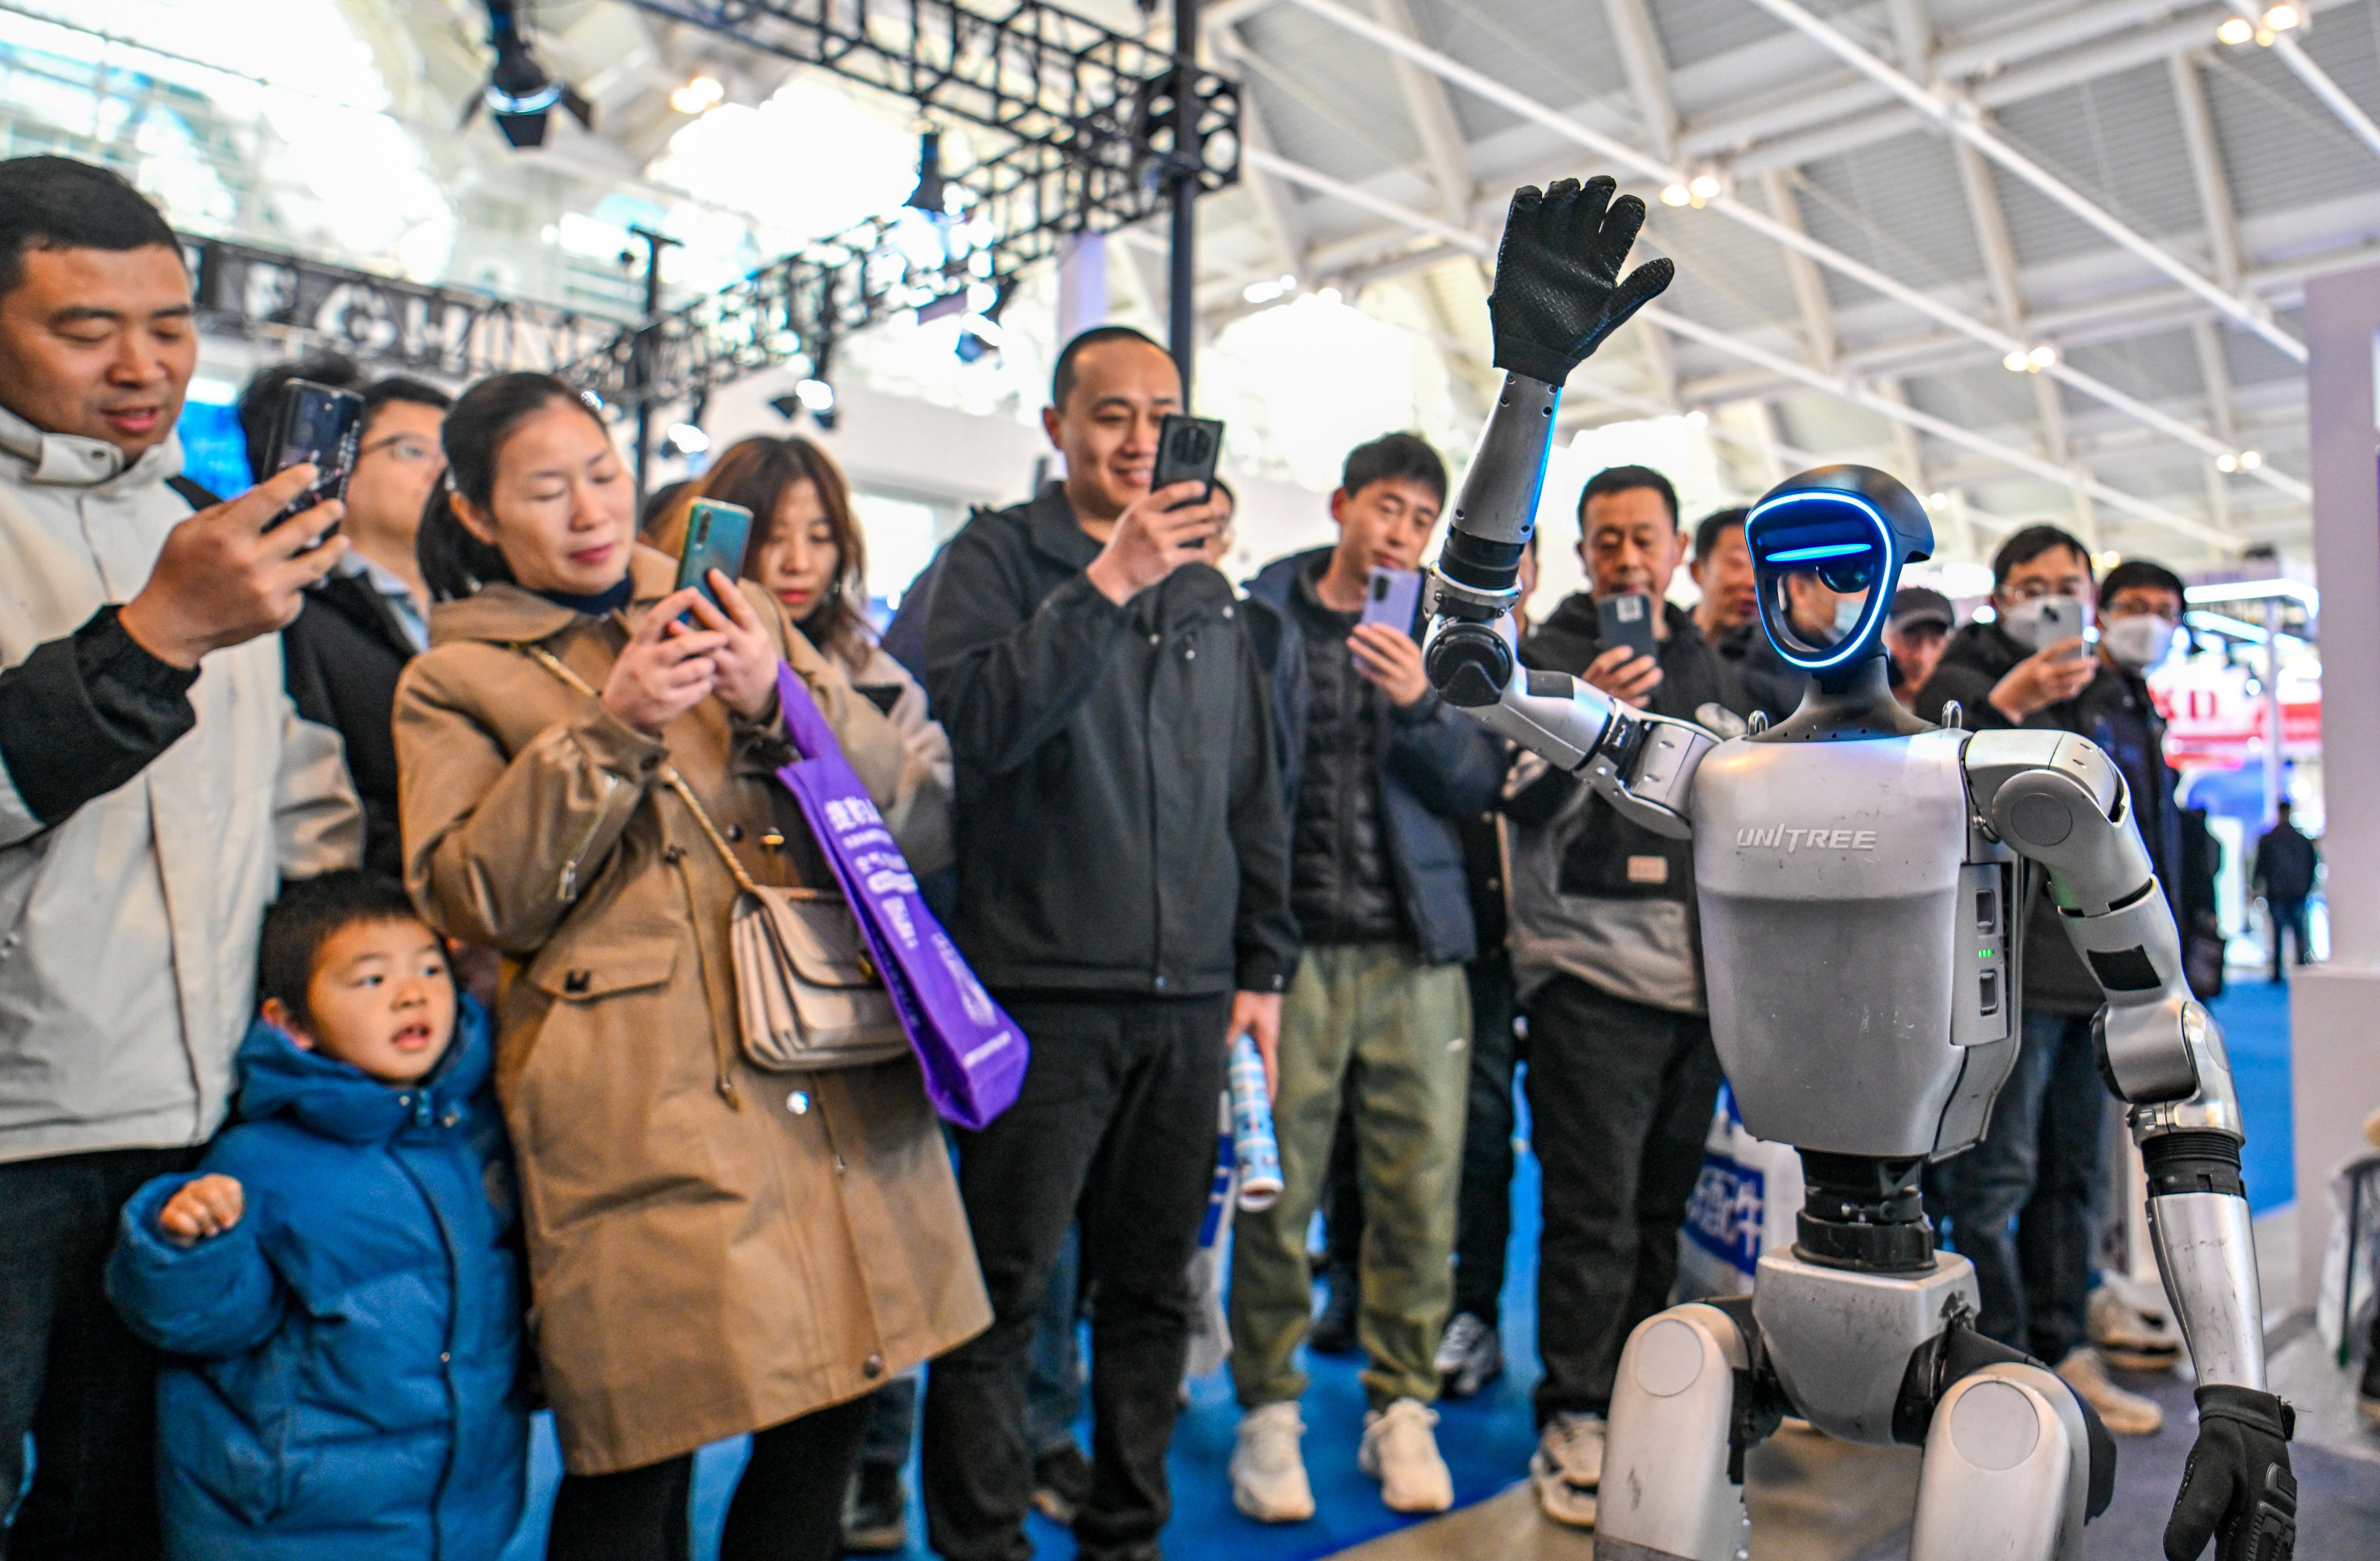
<point>713,1250</point>
<point>807,552</point>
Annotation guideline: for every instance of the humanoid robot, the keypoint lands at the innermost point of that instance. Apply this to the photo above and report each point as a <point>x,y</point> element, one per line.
<point>1862,877</point>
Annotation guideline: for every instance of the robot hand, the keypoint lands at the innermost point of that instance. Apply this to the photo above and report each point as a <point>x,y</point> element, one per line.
<point>1558,287</point>
<point>2237,1487</point>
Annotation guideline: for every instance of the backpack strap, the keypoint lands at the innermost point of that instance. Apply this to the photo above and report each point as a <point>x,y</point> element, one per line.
<point>196,495</point>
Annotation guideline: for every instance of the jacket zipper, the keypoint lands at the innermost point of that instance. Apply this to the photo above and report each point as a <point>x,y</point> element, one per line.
<point>568,887</point>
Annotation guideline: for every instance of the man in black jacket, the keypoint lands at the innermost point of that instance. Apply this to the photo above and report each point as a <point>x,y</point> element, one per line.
<point>2040,1161</point>
<point>2285,860</point>
<point>1379,1013</point>
<point>370,615</point>
<point>1123,888</point>
<point>1622,1073</point>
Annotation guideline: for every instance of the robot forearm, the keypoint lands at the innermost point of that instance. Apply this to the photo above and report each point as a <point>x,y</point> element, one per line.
<point>2059,801</point>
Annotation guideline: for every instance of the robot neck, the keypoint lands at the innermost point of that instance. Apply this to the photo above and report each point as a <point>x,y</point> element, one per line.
<point>1847,704</point>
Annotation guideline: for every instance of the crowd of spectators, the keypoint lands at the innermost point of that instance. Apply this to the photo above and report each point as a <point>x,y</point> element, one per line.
<point>368,1070</point>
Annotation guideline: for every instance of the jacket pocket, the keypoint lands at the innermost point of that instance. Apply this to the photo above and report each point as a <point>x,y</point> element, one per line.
<point>582,969</point>
<point>1609,858</point>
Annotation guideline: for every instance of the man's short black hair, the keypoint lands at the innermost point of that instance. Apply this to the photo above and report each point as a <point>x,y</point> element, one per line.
<point>2029,544</point>
<point>304,917</point>
<point>2134,574</point>
<point>260,399</point>
<point>1393,457</point>
<point>1619,479</point>
<point>1712,527</point>
<point>59,203</point>
<point>1061,378</point>
<point>402,387</point>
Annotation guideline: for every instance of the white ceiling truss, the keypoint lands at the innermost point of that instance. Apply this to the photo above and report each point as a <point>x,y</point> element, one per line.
<point>1898,197</point>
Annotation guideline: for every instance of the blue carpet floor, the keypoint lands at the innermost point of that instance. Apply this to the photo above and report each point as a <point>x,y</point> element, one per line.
<point>1486,1439</point>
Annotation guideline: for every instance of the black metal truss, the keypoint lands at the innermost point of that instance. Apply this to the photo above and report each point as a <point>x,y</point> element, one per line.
<point>1024,67</point>
<point>452,332</point>
<point>1017,210</point>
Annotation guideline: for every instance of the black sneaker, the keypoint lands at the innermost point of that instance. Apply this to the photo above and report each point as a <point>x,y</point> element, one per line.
<point>1334,1331</point>
<point>1061,1482</point>
<point>876,1511</point>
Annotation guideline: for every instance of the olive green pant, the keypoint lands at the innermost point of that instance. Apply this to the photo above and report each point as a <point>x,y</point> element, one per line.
<point>1372,1020</point>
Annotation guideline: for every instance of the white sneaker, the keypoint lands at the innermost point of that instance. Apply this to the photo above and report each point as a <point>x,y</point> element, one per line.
<point>2121,1411</point>
<point>1401,1451</point>
<point>1567,1466</point>
<point>2134,1331</point>
<point>1470,1356</point>
<point>1267,1471</point>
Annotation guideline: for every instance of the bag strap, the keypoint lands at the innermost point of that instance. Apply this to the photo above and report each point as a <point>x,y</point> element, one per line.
<point>669,777</point>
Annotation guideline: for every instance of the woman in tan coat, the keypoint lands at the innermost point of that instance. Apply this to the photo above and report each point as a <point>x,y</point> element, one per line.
<point>713,1249</point>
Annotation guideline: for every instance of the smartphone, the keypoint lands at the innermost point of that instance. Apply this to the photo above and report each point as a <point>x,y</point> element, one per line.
<point>2061,620</point>
<point>1187,450</point>
<point>316,423</point>
<point>1628,620</point>
<point>1392,597</point>
<point>716,534</point>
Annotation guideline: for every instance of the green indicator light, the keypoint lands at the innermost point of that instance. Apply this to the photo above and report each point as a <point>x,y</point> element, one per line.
<point>1983,954</point>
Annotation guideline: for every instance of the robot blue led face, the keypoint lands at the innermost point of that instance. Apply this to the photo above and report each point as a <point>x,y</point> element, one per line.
<point>1826,551</point>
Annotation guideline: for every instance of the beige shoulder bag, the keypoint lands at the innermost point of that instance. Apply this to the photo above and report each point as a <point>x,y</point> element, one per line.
<point>808,997</point>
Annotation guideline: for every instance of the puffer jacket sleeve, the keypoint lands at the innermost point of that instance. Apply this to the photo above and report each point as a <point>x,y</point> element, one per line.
<point>497,847</point>
<point>214,1297</point>
<point>1443,757</point>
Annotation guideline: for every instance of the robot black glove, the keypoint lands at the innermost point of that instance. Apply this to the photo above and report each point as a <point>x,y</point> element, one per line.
<point>2237,1487</point>
<point>1557,287</point>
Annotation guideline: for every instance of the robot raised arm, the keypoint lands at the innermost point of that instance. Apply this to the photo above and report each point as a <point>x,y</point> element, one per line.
<point>2056,799</point>
<point>1558,294</point>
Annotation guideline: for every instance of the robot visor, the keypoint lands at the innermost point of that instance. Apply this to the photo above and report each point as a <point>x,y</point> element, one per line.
<point>1819,562</point>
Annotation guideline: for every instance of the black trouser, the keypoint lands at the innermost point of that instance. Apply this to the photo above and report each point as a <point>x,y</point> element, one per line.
<point>1483,1226</point>
<point>891,1425</point>
<point>1620,1098</point>
<point>1116,1127</point>
<point>2289,916</point>
<point>70,1372</point>
<point>788,1502</point>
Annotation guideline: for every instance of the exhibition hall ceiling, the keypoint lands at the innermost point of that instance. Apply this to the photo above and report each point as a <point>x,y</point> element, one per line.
<point>2043,262</point>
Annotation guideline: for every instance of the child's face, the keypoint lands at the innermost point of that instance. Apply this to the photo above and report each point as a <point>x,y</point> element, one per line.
<point>381,999</point>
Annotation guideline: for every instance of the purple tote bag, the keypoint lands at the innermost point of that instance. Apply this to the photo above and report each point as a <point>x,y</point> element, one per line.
<point>973,1053</point>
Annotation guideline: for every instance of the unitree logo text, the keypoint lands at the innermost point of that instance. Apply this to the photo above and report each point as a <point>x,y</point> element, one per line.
<point>1815,839</point>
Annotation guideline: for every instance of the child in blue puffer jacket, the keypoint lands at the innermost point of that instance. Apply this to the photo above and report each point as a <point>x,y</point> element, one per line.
<point>336,1283</point>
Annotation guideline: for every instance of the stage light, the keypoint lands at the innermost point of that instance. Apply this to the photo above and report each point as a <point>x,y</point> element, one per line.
<point>2251,459</point>
<point>1703,185</point>
<point>519,95</point>
<point>2041,357</point>
<point>2280,18</point>
<point>2236,31</point>
<point>2016,363</point>
<point>1676,195</point>
<point>2227,462</point>
<point>699,95</point>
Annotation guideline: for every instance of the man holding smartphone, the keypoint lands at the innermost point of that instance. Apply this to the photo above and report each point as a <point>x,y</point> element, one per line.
<point>2041,1161</point>
<point>1607,959</point>
<point>155,786</point>
<point>1380,773</point>
<point>1124,889</point>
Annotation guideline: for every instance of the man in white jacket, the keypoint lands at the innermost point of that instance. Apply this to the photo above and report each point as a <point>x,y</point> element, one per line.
<point>155,786</point>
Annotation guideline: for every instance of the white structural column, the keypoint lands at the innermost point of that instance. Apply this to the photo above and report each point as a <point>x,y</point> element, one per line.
<point>2334,1046</point>
<point>1638,165</point>
<point>1963,119</point>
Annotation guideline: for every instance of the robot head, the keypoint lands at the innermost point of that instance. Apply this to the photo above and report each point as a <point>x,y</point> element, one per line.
<point>1827,552</point>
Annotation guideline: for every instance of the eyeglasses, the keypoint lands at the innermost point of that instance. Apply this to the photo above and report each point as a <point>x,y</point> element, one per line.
<point>407,450</point>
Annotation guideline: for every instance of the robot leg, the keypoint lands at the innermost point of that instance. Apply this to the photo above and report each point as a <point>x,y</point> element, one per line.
<point>2007,1471</point>
<point>1672,1482</point>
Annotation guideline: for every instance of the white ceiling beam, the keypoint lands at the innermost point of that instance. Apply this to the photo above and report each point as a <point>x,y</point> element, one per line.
<point>1276,207</point>
<point>2214,206</point>
<point>1443,148</point>
<point>1963,119</point>
<point>1809,289</point>
<point>1648,72</point>
<point>1813,379</point>
<point>2334,96</point>
<point>1643,165</point>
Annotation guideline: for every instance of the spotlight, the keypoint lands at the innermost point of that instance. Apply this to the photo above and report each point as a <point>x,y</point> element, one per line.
<point>519,95</point>
<point>928,196</point>
<point>2251,459</point>
<point>698,96</point>
<point>2236,31</point>
<point>1938,501</point>
<point>2227,462</point>
<point>2016,363</point>
<point>1676,195</point>
<point>1702,187</point>
<point>2280,18</point>
<point>1697,418</point>
<point>2041,357</point>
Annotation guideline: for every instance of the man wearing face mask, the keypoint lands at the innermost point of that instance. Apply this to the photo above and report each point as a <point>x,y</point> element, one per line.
<point>2031,667</point>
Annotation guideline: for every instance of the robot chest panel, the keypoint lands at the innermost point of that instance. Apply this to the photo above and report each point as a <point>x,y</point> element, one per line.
<point>1828,876</point>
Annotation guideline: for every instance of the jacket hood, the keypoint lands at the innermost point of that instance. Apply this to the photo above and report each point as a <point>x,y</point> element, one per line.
<point>1276,583</point>
<point>336,1100</point>
<point>512,615</point>
<point>74,460</point>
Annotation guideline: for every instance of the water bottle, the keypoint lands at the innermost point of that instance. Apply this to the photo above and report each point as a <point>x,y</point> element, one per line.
<point>1252,1140</point>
